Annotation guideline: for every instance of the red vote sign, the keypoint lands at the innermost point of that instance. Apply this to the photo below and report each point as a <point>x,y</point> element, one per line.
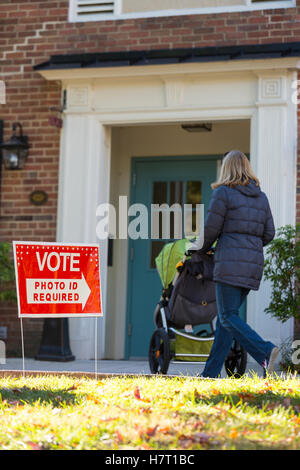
<point>57,279</point>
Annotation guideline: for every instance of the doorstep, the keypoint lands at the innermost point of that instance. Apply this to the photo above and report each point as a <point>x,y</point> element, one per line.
<point>105,368</point>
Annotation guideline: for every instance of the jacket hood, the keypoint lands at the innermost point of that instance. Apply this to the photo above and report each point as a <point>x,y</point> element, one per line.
<point>249,189</point>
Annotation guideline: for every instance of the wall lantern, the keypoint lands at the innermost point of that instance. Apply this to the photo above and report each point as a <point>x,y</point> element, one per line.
<point>15,150</point>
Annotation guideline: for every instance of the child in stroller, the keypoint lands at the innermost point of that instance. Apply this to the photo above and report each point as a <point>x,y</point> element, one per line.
<point>187,302</point>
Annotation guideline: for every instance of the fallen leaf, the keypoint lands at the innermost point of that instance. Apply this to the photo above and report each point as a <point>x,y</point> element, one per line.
<point>93,399</point>
<point>164,430</point>
<point>35,446</point>
<point>266,390</point>
<point>233,434</point>
<point>119,437</point>
<point>148,433</point>
<point>145,410</point>
<point>73,387</point>
<point>296,419</point>
<point>151,431</point>
<point>137,393</point>
<point>246,396</point>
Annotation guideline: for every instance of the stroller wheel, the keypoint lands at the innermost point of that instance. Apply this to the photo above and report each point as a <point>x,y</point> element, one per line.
<point>236,361</point>
<point>159,352</point>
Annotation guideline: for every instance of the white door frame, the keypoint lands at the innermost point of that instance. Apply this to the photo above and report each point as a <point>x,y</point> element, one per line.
<point>100,98</point>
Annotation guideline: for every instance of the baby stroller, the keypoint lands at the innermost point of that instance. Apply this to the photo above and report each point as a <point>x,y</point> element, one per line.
<point>184,315</point>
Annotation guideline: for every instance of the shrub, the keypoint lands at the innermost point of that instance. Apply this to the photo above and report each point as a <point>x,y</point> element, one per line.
<point>282,268</point>
<point>7,274</point>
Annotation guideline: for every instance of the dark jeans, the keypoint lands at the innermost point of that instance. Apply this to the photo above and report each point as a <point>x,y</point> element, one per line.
<point>230,326</point>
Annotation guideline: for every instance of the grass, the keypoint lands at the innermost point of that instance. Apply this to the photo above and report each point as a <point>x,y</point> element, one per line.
<point>60,412</point>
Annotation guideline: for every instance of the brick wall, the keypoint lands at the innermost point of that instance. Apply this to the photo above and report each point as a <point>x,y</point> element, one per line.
<point>31,31</point>
<point>298,163</point>
<point>297,322</point>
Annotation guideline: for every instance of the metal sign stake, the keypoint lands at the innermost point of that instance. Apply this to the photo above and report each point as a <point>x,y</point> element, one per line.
<point>22,344</point>
<point>96,348</point>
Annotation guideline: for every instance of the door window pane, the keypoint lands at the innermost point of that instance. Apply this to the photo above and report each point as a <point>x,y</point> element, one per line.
<point>193,197</point>
<point>194,192</point>
<point>156,247</point>
<point>172,192</point>
<point>160,192</point>
<point>176,192</point>
<point>159,196</point>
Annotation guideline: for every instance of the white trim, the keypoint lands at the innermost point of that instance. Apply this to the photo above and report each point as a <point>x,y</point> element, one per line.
<point>85,154</point>
<point>229,66</point>
<point>273,150</point>
<point>118,7</point>
<point>267,5</point>
<point>119,117</point>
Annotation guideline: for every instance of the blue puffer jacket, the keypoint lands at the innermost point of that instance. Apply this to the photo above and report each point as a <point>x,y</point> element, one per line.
<point>240,219</point>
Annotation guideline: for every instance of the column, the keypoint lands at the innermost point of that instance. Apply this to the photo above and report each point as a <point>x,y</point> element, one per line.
<point>83,184</point>
<point>273,157</point>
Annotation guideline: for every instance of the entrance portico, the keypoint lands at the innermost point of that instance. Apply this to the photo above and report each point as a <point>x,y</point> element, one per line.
<point>248,102</point>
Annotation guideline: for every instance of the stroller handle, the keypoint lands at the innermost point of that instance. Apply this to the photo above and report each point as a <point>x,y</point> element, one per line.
<point>188,253</point>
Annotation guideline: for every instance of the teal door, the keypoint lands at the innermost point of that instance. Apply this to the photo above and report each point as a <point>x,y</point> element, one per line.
<point>184,180</point>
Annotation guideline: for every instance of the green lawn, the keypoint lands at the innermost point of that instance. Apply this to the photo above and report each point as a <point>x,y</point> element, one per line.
<point>51,412</point>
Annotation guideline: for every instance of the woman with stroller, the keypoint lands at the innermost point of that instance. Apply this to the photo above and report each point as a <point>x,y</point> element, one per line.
<point>240,219</point>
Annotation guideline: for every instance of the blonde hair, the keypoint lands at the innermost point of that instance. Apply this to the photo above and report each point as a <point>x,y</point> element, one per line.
<point>235,169</point>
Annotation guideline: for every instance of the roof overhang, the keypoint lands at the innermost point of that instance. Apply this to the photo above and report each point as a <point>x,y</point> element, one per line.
<point>206,59</point>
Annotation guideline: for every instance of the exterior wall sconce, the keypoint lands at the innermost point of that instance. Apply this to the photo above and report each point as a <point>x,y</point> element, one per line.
<point>15,150</point>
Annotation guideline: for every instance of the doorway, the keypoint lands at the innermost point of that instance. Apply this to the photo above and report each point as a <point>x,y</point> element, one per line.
<point>167,180</point>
